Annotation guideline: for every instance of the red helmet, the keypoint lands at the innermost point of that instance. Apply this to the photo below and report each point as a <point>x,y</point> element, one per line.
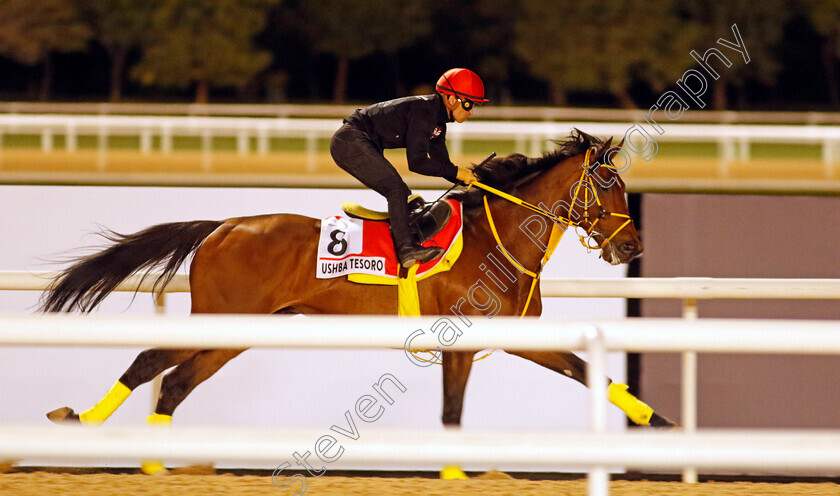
<point>462,83</point>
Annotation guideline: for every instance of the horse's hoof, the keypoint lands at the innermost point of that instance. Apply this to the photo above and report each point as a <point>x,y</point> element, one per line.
<point>453,472</point>
<point>7,466</point>
<point>64,415</point>
<point>659,421</point>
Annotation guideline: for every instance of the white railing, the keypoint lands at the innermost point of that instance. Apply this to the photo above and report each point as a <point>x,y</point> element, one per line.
<point>23,280</point>
<point>689,290</point>
<point>593,451</point>
<point>213,331</point>
<point>533,138</point>
<point>684,288</point>
<point>492,112</point>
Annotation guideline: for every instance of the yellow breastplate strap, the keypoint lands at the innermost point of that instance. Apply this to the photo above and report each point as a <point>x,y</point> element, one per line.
<point>553,241</point>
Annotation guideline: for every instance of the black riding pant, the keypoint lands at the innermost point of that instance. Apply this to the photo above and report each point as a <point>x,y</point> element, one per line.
<point>353,151</point>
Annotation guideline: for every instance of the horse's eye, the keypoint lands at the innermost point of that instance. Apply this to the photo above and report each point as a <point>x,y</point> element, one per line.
<point>604,188</point>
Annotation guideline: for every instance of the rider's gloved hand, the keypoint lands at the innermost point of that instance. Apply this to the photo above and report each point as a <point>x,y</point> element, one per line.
<point>465,176</point>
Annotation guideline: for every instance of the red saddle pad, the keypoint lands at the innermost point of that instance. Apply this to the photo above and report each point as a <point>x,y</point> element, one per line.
<point>377,255</point>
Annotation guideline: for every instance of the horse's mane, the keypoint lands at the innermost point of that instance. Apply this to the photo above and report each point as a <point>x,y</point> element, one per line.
<point>511,171</point>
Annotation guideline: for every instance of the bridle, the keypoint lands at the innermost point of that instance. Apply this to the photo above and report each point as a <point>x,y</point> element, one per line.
<point>560,223</point>
<point>586,178</point>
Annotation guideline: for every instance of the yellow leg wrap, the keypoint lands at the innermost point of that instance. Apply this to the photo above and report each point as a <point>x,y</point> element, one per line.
<point>155,467</point>
<point>635,409</point>
<point>106,406</point>
<point>158,419</point>
<point>453,472</point>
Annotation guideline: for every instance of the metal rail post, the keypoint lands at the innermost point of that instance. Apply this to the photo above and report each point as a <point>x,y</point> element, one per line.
<point>160,309</point>
<point>596,380</point>
<point>689,387</point>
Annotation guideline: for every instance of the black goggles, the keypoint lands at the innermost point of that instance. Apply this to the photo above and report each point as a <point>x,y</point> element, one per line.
<point>467,104</point>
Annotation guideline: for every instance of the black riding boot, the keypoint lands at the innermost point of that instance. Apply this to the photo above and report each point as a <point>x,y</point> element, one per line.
<point>408,252</point>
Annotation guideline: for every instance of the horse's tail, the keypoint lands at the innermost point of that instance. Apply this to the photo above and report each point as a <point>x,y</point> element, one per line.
<point>90,279</point>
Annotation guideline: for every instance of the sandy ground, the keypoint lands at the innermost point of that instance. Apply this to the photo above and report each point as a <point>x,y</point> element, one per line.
<point>64,484</point>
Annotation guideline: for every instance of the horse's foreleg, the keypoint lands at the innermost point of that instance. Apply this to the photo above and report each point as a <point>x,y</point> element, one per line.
<point>145,367</point>
<point>561,362</point>
<point>456,370</point>
<point>573,366</point>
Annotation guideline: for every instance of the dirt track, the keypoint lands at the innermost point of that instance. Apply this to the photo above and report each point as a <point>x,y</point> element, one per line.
<point>230,163</point>
<point>51,484</point>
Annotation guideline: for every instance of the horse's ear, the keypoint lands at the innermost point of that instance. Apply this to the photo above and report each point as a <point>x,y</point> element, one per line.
<point>620,144</point>
<point>617,148</point>
<point>604,147</point>
<point>583,138</point>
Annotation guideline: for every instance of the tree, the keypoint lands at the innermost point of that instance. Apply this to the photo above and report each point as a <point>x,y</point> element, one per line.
<point>120,26</point>
<point>204,43</point>
<point>825,17</point>
<point>351,30</point>
<point>490,39</point>
<point>30,32</point>
<point>759,26</point>
<point>600,45</point>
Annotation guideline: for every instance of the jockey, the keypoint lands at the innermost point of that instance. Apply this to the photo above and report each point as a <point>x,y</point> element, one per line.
<point>418,124</point>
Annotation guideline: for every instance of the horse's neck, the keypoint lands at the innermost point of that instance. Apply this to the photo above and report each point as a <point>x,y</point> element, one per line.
<point>518,230</point>
<point>524,233</point>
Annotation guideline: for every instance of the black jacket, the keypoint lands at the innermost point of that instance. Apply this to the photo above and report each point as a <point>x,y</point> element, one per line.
<point>416,123</point>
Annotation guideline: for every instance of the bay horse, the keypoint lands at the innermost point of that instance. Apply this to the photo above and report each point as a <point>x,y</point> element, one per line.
<point>266,265</point>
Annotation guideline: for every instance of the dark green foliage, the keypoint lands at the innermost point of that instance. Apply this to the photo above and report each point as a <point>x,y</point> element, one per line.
<point>204,43</point>
<point>31,30</point>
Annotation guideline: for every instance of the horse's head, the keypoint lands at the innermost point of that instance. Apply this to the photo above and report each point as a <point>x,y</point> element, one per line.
<point>577,185</point>
<point>597,201</point>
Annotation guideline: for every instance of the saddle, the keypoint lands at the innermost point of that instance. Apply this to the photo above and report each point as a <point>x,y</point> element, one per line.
<point>361,247</point>
<point>424,223</point>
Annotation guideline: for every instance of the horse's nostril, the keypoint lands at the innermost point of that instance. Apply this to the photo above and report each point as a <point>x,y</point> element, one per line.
<point>627,247</point>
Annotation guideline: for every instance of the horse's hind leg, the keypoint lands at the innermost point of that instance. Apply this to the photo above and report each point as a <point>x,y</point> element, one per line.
<point>145,367</point>
<point>177,385</point>
<point>573,366</point>
<point>180,382</point>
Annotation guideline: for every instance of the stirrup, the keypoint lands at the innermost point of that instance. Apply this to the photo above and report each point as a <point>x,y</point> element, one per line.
<point>415,202</point>
<point>409,255</point>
